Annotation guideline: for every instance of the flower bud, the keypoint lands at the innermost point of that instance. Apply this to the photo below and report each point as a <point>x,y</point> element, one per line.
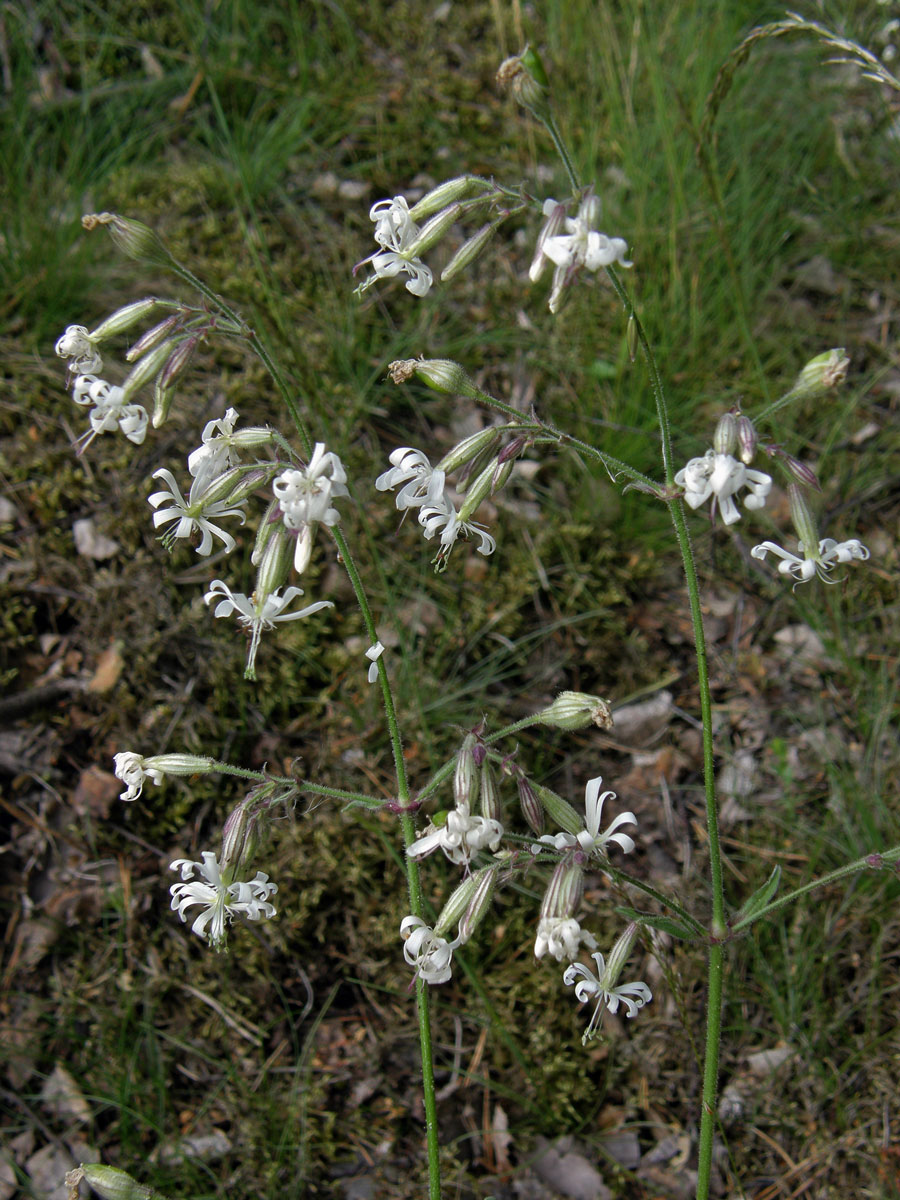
<point>619,955</point>
<point>798,470</point>
<point>469,903</point>
<point>449,192</point>
<point>479,490</point>
<point>240,838</point>
<point>565,890</point>
<point>532,809</point>
<point>178,362</point>
<point>275,563</point>
<point>725,437</point>
<point>162,403</point>
<point>631,338</point>
<point>124,318</point>
<point>469,449</point>
<point>432,231</point>
<point>147,367</point>
<point>747,439</point>
<point>470,250</point>
<point>465,777</point>
<point>804,521</point>
<point>489,799</point>
<point>576,710</point>
<point>268,527</point>
<point>153,337</point>
<point>251,480</point>
<point>480,902</point>
<point>133,238</point>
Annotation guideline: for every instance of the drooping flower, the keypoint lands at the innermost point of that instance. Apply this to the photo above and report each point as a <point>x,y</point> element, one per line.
<point>109,412</point>
<point>580,246</point>
<point>820,561</point>
<point>395,232</point>
<point>460,837</point>
<point>590,838</point>
<point>79,348</point>
<point>444,517</point>
<point>258,613</point>
<point>721,477</point>
<point>373,654</point>
<point>192,514</point>
<point>423,949</point>
<point>305,494</point>
<point>561,937</point>
<point>421,483</point>
<point>603,986</point>
<point>133,769</point>
<point>221,898</point>
<point>215,454</point>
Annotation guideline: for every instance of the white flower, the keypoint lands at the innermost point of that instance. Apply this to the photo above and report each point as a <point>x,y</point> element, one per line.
<point>602,988</point>
<point>581,246</point>
<point>561,937</point>
<point>221,900</point>
<point>305,494</point>
<point>215,455</point>
<point>395,231</point>
<point>443,516</point>
<point>110,411</point>
<point>422,483</point>
<point>430,954</point>
<point>258,613</point>
<point>459,837</point>
<point>373,654</point>
<point>192,514</point>
<point>820,562</point>
<point>590,838</point>
<point>722,477</point>
<point>132,769</point>
<point>77,346</point>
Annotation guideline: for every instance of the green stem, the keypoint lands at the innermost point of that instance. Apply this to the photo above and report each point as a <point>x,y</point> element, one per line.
<point>868,863</point>
<point>710,1068</point>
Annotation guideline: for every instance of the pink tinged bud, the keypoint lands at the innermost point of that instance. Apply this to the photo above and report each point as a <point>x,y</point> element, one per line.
<point>725,437</point>
<point>804,521</point>
<point>513,449</point>
<point>532,809</point>
<point>124,318</point>
<point>178,362</point>
<point>799,471</point>
<point>747,439</point>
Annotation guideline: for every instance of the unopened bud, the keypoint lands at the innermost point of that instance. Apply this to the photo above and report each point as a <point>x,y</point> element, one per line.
<point>479,490</point>
<point>450,192</point>
<point>565,891</point>
<point>460,900</point>
<point>268,527</point>
<point>432,231</point>
<point>631,337</point>
<point>240,838</point>
<point>470,449</point>
<point>725,437</point>
<point>465,777</point>
<point>489,799</point>
<point>479,902</point>
<point>178,362</point>
<point>804,521</point>
<point>153,337</point>
<point>133,238</point>
<point>124,318</point>
<point>251,480</point>
<point>147,368</point>
<point>747,439</point>
<point>162,403</point>
<point>576,710</point>
<point>470,250</point>
<point>532,809</point>
<point>619,955</point>
<point>799,471</point>
<point>275,563</point>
